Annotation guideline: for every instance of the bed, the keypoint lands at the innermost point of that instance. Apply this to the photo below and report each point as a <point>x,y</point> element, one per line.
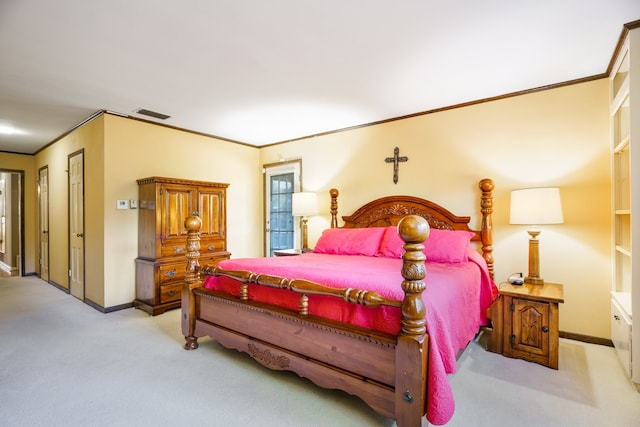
<point>387,331</point>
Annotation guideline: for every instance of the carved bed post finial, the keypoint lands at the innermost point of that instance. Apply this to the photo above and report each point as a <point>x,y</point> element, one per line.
<point>486,207</point>
<point>191,280</point>
<point>414,230</point>
<point>334,207</point>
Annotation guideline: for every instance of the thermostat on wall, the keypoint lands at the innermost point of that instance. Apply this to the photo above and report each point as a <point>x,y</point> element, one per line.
<point>122,204</point>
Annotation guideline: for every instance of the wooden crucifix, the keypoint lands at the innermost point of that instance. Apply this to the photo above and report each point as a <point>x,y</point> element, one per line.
<point>396,159</point>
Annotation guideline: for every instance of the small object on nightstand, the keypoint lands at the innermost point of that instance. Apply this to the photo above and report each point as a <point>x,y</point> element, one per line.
<point>516,279</point>
<point>525,321</point>
<point>287,252</point>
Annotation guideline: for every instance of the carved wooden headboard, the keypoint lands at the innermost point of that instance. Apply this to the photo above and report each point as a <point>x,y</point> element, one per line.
<point>390,210</point>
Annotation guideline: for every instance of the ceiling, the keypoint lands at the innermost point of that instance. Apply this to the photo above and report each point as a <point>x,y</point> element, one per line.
<point>261,72</point>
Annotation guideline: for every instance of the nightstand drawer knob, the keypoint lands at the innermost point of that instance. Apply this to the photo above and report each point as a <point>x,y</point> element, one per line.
<point>545,329</point>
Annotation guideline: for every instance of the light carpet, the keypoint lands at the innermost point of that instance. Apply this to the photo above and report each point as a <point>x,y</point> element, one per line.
<point>62,363</point>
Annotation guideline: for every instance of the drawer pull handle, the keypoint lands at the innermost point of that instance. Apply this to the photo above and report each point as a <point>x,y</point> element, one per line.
<point>172,293</point>
<point>545,329</point>
<point>211,247</point>
<point>178,250</point>
<point>170,273</point>
<point>615,316</point>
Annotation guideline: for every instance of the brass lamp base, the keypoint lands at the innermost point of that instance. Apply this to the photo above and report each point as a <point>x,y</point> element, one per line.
<point>305,235</point>
<point>534,258</point>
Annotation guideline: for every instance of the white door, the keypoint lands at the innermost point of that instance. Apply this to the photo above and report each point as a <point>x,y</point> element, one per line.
<point>281,181</point>
<point>76,225</point>
<point>43,201</point>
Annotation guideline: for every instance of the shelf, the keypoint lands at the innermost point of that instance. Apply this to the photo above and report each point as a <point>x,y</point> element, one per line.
<point>620,95</point>
<point>624,301</point>
<point>622,145</point>
<point>623,211</point>
<point>620,78</point>
<point>623,250</point>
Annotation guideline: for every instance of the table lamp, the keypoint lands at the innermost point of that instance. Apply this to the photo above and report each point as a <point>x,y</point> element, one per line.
<point>533,207</point>
<point>304,204</point>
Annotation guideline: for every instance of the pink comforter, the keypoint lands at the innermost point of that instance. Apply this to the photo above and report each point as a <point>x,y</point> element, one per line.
<point>457,296</point>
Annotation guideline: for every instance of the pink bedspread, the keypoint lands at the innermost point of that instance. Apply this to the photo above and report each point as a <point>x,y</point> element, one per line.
<point>457,296</point>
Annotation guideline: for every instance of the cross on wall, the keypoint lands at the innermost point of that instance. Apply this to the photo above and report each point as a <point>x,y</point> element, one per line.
<point>396,159</point>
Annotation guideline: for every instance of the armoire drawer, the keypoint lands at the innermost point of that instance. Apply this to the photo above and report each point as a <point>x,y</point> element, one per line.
<point>172,272</point>
<point>170,292</point>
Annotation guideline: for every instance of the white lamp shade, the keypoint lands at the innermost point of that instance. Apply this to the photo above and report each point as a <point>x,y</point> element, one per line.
<point>304,203</point>
<point>535,206</point>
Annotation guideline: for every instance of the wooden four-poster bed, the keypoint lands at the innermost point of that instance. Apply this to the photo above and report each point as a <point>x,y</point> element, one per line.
<point>382,331</point>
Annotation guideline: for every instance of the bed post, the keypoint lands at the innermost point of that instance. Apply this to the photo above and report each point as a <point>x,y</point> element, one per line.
<point>191,280</point>
<point>334,207</point>
<point>413,344</point>
<point>486,207</point>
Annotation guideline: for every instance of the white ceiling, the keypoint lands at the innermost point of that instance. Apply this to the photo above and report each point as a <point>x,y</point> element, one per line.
<point>261,72</point>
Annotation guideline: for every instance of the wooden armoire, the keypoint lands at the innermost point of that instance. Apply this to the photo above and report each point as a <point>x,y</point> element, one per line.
<point>163,206</point>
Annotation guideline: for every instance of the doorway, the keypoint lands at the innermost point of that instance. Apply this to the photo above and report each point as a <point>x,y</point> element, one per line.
<point>76,224</point>
<point>11,223</point>
<point>280,182</point>
<point>43,221</point>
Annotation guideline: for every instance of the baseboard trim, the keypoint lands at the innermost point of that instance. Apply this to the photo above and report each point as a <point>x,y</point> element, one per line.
<point>62,288</point>
<point>586,338</point>
<point>118,307</point>
<point>107,309</point>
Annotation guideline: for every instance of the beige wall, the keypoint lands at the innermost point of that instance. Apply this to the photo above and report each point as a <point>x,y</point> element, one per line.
<point>117,152</point>
<point>552,138</point>
<point>56,158</point>
<point>136,149</point>
<point>26,164</point>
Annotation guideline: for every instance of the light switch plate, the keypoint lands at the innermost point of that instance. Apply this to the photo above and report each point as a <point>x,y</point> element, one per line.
<point>122,204</point>
<point>133,204</point>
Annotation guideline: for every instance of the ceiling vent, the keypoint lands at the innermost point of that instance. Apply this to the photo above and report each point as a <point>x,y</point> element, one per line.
<point>153,114</point>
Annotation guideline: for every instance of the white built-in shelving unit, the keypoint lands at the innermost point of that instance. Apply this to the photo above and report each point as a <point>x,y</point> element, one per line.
<point>624,82</point>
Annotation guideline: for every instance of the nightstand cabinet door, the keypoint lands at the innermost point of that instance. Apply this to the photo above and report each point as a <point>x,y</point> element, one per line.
<point>529,330</point>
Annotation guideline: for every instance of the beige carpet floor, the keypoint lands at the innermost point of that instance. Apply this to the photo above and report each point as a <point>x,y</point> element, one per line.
<point>62,363</point>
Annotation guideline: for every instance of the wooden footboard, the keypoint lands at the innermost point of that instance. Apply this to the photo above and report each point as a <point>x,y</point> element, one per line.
<point>387,372</point>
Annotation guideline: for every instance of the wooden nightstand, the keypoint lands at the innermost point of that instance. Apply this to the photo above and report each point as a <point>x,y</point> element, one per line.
<point>287,252</point>
<point>525,322</point>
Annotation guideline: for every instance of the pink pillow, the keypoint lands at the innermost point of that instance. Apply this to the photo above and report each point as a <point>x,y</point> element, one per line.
<point>350,241</point>
<point>441,246</point>
<point>447,245</point>
<point>392,244</point>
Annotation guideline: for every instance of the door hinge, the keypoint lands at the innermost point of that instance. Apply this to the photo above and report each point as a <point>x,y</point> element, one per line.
<point>69,272</point>
<point>513,339</point>
<point>513,306</point>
